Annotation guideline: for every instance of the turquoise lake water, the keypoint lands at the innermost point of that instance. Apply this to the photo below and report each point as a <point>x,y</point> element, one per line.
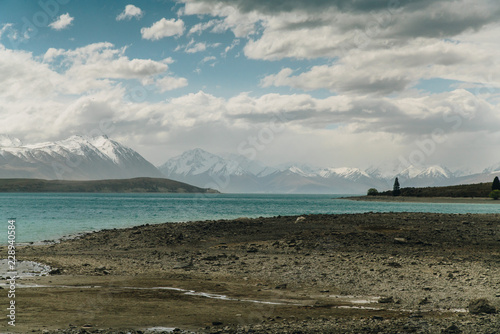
<point>42,217</point>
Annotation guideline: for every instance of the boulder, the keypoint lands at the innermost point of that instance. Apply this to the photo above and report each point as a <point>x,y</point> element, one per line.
<point>480,306</point>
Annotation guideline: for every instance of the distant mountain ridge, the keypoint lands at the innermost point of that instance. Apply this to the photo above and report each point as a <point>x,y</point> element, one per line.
<point>235,173</point>
<point>135,185</point>
<point>100,158</point>
<point>75,158</point>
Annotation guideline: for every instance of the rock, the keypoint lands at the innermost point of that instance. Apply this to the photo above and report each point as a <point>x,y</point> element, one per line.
<point>453,329</point>
<point>400,241</point>
<point>281,286</point>
<point>394,265</point>
<point>55,271</point>
<point>300,219</point>
<point>386,300</point>
<point>424,301</point>
<point>184,265</point>
<point>216,323</point>
<point>480,306</point>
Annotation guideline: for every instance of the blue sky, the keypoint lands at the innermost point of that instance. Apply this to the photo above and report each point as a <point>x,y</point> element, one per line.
<point>350,83</point>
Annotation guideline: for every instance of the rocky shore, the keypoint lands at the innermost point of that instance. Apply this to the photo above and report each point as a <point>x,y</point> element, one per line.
<point>359,273</point>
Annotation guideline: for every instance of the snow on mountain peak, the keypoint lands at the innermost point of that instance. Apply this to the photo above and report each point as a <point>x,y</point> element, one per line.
<point>8,141</point>
<point>436,171</point>
<point>346,172</point>
<point>199,161</point>
<point>77,157</point>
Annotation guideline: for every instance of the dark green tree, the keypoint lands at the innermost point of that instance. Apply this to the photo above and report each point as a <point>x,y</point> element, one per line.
<point>372,192</point>
<point>396,190</point>
<point>496,184</point>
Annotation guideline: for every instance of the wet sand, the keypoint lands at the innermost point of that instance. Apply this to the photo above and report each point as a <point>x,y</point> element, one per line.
<point>360,273</point>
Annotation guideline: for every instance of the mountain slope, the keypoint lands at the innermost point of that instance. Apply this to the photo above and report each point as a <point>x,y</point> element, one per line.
<point>135,185</point>
<point>75,158</point>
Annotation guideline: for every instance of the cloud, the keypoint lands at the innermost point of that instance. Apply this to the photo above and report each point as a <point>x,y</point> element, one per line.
<point>97,66</point>
<point>62,22</point>
<point>194,47</point>
<point>308,30</point>
<point>235,43</point>
<point>130,12</point>
<point>386,71</point>
<point>198,47</point>
<point>5,28</point>
<point>163,28</point>
<point>85,86</point>
<point>201,27</point>
<point>170,83</point>
<point>207,59</point>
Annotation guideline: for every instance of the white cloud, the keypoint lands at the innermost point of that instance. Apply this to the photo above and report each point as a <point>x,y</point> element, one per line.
<point>71,91</point>
<point>163,28</point>
<point>5,27</point>
<point>207,59</point>
<point>385,71</point>
<point>200,27</point>
<point>98,65</point>
<point>241,24</point>
<point>235,43</point>
<point>62,22</point>
<point>194,47</point>
<point>198,47</point>
<point>170,83</point>
<point>130,12</point>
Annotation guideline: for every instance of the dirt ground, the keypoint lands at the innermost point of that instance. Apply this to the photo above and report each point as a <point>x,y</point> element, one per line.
<point>360,273</point>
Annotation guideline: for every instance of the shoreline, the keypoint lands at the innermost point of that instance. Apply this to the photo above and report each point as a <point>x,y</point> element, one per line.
<point>408,199</point>
<point>345,273</point>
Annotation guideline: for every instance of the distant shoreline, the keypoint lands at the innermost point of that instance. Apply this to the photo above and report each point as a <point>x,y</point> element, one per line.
<point>134,185</point>
<point>403,199</point>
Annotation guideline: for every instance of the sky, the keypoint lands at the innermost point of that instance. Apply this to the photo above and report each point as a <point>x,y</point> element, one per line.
<point>331,83</point>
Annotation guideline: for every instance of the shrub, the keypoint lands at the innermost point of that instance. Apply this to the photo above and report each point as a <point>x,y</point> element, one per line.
<point>372,192</point>
<point>495,194</point>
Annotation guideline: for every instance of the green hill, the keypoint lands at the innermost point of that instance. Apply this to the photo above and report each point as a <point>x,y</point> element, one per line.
<point>135,185</point>
<point>464,190</point>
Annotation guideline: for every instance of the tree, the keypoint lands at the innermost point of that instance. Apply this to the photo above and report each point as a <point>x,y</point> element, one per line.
<point>496,184</point>
<point>495,194</point>
<point>396,190</point>
<point>372,192</point>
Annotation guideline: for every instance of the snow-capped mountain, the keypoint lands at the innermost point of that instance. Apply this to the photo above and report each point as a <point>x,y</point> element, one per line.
<point>75,158</point>
<point>201,167</point>
<point>425,176</point>
<point>234,173</point>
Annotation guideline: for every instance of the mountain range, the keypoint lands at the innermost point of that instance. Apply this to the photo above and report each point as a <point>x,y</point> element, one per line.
<point>98,158</point>
<point>237,174</point>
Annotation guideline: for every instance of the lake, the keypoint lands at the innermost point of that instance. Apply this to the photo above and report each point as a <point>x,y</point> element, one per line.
<point>49,216</point>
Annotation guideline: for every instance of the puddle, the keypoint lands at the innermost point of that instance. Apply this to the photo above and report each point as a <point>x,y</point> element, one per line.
<point>24,269</point>
<point>357,299</point>
<point>184,291</point>
<point>360,307</point>
<point>213,295</point>
<point>160,329</point>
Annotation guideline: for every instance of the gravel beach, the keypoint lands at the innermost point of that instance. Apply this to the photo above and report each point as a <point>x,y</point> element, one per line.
<point>359,273</point>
